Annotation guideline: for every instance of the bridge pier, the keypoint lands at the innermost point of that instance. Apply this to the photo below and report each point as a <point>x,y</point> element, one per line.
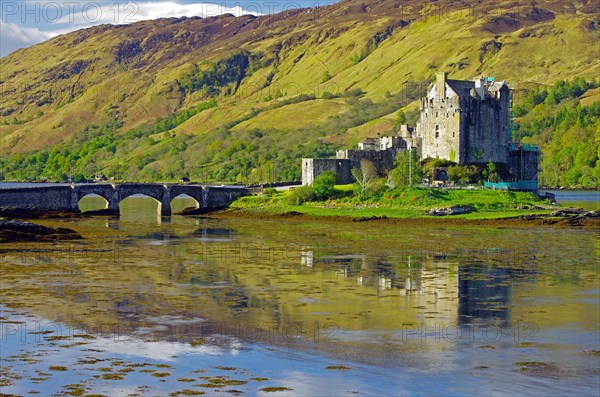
<point>165,204</point>
<point>74,199</point>
<point>113,202</point>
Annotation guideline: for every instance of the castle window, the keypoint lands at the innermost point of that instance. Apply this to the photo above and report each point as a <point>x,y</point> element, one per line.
<point>437,131</point>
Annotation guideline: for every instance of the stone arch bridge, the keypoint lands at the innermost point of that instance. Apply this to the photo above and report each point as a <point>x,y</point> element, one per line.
<point>67,197</point>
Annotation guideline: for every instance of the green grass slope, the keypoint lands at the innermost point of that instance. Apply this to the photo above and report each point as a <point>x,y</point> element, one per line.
<point>300,83</point>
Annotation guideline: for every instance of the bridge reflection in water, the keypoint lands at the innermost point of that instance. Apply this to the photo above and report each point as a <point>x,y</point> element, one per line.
<point>67,197</point>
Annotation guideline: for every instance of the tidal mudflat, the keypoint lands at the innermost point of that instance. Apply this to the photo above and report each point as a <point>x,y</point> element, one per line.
<point>153,306</point>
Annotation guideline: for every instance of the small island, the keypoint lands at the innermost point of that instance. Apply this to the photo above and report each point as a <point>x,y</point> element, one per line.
<point>459,161</point>
<point>476,206</point>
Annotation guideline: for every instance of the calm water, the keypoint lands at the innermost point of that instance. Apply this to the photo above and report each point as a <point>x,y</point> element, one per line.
<point>157,306</point>
<point>589,200</point>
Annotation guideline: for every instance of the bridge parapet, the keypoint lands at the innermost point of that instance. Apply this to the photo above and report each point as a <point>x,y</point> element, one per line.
<point>44,198</point>
<point>67,197</point>
<point>221,196</point>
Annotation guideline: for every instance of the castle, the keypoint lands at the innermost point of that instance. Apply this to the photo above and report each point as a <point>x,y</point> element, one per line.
<point>466,122</point>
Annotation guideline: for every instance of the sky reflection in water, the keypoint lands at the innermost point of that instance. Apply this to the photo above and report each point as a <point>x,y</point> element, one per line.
<point>392,310</point>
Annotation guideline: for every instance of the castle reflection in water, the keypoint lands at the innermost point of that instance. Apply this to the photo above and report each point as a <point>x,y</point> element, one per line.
<point>468,292</point>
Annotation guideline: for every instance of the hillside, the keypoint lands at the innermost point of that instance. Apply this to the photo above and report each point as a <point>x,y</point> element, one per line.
<point>228,98</point>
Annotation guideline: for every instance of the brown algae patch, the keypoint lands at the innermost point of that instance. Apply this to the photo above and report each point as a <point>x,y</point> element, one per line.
<point>55,338</point>
<point>74,390</point>
<point>57,368</point>
<point>114,376</point>
<point>338,368</point>
<point>592,352</point>
<point>161,374</point>
<point>186,392</point>
<point>198,342</point>
<point>216,382</point>
<point>259,379</point>
<point>84,336</point>
<point>272,389</point>
<point>538,368</point>
<point>526,344</point>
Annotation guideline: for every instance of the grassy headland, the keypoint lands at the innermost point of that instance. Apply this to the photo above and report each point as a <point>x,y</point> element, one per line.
<point>410,203</point>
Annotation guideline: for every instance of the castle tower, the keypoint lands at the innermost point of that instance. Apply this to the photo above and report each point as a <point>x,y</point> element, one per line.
<point>465,121</point>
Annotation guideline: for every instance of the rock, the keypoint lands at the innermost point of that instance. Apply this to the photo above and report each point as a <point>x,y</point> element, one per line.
<point>21,213</point>
<point>565,212</point>
<point>201,211</point>
<point>369,218</point>
<point>592,214</point>
<point>104,212</point>
<point>454,210</point>
<point>12,231</point>
<point>291,214</point>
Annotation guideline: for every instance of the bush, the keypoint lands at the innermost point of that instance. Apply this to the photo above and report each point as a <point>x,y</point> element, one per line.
<point>300,195</point>
<point>324,186</point>
<point>78,178</point>
<point>464,174</point>
<point>353,93</point>
<point>269,192</point>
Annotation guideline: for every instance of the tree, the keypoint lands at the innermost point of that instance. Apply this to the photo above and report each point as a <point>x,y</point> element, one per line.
<point>365,176</point>
<point>491,173</point>
<point>400,119</point>
<point>408,171</point>
<point>324,185</point>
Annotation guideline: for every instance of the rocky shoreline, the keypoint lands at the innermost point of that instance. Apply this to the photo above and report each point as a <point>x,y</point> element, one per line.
<point>21,213</point>
<point>12,230</point>
<point>565,217</point>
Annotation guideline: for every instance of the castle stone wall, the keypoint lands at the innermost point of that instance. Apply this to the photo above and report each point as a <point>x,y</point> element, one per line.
<point>382,159</point>
<point>440,128</point>
<point>523,164</point>
<point>312,168</point>
<point>486,130</point>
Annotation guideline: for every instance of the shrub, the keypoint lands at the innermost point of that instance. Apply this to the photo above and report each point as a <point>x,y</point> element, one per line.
<point>324,186</point>
<point>464,174</point>
<point>353,93</point>
<point>269,192</point>
<point>300,195</point>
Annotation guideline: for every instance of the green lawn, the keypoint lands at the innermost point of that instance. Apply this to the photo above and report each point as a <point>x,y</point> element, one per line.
<point>412,203</point>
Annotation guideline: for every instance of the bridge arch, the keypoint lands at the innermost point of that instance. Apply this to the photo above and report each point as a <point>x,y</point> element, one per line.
<point>186,196</point>
<point>155,191</point>
<point>106,191</point>
<point>106,205</point>
<point>158,196</point>
<point>127,204</point>
<point>195,192</point>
